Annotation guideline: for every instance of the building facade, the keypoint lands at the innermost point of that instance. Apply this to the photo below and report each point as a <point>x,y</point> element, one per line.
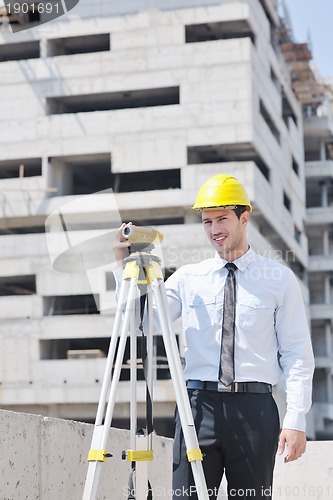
<point>147,100</point>
<point>318,130</point>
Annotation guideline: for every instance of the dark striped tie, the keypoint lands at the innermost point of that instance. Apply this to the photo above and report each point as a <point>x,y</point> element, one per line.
<point>227,369</point>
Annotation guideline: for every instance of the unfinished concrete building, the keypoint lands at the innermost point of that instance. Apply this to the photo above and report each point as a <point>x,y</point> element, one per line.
<point>318,130</point>
<point>316,98</point>
<point>148,102</point>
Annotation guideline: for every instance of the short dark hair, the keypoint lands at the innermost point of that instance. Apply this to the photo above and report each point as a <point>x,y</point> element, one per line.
<point>239,210</point>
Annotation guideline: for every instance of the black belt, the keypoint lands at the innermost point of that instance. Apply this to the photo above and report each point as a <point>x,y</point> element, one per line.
<point>254,387</point>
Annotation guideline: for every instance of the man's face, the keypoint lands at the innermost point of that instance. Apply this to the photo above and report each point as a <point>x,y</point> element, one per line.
<point>226,233</point>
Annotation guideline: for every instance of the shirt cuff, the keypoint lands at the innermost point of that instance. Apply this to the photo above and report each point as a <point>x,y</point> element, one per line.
<point>294,421</point>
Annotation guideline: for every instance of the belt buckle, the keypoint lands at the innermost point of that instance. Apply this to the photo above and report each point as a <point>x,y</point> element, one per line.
<point>222,388</point>
<point>234,387</point>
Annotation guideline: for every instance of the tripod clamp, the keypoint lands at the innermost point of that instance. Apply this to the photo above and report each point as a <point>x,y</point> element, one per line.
<point>142,266</point>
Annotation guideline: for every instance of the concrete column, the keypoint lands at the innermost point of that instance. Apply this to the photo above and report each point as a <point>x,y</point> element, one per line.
<point>61,177</point>
<point>326,243</point>
<point>328,338</point>
<point>329,352</point>
<point>324,195</point>
<point>45,166</point>
<point>43,47</point>
<point>327,289</point>
<point>46,174</point>
<point>329,388</point>
<point>322,151</point>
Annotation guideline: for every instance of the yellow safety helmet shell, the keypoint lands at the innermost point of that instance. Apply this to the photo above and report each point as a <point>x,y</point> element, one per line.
<point>221,191</point>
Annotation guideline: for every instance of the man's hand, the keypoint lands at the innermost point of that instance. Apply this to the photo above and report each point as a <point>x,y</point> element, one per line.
<point>296,444</point>
<point>121,246</point>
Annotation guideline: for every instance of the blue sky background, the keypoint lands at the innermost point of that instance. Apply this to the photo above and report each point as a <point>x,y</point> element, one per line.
<point>314,18</point>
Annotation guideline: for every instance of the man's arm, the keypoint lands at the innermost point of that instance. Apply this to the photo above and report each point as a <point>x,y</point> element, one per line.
<point>297,364</point>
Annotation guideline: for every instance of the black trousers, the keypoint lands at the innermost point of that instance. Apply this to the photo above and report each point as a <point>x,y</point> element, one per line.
<point>238,434</point>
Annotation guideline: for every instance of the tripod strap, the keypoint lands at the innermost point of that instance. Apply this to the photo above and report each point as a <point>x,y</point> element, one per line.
<point>144,356</point>
<point>131,487</point>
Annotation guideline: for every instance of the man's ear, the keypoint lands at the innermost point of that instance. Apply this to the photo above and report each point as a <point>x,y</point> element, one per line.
<point>244,218</point>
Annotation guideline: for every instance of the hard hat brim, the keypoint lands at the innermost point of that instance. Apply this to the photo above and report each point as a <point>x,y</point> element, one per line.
<point>222,207</point>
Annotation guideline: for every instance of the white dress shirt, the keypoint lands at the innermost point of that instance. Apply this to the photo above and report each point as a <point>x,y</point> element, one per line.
<point>271,331</point>
<point>272,338</point>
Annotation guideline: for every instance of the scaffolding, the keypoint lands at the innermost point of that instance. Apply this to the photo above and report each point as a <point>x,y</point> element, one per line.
<point>307,86</point>
<point>306,82</point>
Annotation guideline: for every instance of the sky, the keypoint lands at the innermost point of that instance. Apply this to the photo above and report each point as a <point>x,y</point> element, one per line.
<point>314,19</point>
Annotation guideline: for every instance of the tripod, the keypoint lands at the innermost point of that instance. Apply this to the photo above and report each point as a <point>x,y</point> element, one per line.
<point>141,268</point>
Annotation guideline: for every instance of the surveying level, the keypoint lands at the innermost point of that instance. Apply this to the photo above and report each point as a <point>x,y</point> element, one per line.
<point>141,273</point>
<point>147,235</point>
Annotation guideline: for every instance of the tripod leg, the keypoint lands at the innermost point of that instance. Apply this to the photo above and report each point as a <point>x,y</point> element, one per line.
<point>97,454</point>
<point>133,385</point>
<point>111,353</point>
<point>185,413</point>
<point>150,357</point>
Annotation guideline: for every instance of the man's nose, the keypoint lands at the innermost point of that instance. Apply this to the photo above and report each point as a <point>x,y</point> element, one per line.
<point>216,228</point>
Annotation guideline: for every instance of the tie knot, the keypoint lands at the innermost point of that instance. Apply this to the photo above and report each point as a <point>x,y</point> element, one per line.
<point>231,266</point>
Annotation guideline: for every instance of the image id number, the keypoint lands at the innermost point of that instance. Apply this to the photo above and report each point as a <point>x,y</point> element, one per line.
<point>40,8</point>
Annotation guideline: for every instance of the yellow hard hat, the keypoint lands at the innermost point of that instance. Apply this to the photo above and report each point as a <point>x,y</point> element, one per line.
<point>219,191</point>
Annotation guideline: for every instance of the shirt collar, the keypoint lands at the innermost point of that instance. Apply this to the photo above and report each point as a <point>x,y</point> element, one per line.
<point>242,262</point>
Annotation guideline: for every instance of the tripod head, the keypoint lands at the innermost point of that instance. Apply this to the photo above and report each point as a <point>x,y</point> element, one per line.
<point>142,239</point>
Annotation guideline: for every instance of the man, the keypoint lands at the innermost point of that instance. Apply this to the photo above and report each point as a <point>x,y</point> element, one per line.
<point>244,327</point>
